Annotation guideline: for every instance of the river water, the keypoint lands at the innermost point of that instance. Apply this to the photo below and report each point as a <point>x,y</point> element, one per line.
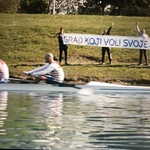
<point>69,121</point>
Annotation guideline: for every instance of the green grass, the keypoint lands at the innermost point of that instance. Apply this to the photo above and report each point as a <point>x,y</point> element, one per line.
<point>24,40</point>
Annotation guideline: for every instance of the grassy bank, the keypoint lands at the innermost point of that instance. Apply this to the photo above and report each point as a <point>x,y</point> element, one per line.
<point>24,40</point>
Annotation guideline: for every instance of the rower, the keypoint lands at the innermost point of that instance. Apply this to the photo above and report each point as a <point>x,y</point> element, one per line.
<point>4,72</point>
<point>51,72</point>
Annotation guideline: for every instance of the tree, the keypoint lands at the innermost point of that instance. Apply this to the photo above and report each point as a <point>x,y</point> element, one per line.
<point>65,6</point>
<point>103,4</point>
<point>9,6</point>
<point>143,7</point>
<point>90,7</point>
<point>46,6</point>
<point>94,7</point>
<point>118,6</point>
<point>130,7</point>
<point>33,6</point>
<point>49,2</point>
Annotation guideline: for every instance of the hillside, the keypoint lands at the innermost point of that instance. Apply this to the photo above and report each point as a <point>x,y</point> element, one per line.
<point>26,38</point>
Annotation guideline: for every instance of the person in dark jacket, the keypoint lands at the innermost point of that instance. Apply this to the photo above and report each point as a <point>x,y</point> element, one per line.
<point>106,49</point>
<point>62,47</point>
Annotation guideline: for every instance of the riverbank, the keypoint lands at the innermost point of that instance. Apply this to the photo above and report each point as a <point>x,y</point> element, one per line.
<point>125,74</point>
<point>25,39</point>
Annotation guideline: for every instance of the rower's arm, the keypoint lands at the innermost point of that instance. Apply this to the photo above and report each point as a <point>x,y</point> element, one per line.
<point>138,29</point>
<point>109,29</point>
<point>38,69</point>
<point>43,72</point>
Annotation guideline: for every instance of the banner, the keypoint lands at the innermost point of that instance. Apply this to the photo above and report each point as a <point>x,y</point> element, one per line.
<point>107,41</point>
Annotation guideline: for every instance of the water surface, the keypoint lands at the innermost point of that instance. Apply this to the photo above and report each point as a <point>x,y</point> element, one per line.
<point>56,121</point>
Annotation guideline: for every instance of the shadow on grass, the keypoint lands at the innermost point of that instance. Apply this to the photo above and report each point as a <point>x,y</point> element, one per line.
<point>127,65</point>
<point>91,58</point>
<point>25,64</point>
<point>110,65</point>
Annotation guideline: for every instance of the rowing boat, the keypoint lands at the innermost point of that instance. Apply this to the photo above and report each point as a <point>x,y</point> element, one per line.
<point>94,86</point>
<point>34,87</point>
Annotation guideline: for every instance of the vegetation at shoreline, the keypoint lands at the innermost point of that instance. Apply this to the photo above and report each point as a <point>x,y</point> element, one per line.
<point>26,38</point>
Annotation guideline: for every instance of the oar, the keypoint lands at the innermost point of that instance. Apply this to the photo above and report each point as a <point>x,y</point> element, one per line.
<point>63,84</point>
<point>22,80</point>
<point>60,84</point>
<point>82,90</point>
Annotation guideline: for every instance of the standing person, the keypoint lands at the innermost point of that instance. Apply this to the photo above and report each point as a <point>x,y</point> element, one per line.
<point>51,72</point>
<point>4,72</point>
<point>142,51</point>
<point>62,46</point>
<point>104,49</point>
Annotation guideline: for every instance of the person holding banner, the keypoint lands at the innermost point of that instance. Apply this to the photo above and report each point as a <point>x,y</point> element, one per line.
<point>4,72</point>
<point>62,46</point>
<point>106,49</point>
<point>142,51</point>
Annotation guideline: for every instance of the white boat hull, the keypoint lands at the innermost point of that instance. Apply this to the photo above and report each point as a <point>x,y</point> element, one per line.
<point>95,86</point>
<point>33,87</point>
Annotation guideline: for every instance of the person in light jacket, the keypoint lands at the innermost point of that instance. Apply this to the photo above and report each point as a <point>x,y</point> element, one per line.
<point>142,51</point>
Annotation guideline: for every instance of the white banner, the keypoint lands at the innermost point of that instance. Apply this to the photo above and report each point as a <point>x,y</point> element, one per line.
<point>107,41</point>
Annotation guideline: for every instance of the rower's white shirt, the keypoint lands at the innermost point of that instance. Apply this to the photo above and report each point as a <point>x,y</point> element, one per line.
<point>4,71</point>
<point>52,69</point>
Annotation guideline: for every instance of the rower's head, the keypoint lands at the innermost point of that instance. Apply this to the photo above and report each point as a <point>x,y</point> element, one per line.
<point>49,58</point>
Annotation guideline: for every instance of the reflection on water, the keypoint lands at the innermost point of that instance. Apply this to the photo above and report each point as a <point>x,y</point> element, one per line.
<point>59,121</point>
<point>3,111</point>
<point>52,106</point>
